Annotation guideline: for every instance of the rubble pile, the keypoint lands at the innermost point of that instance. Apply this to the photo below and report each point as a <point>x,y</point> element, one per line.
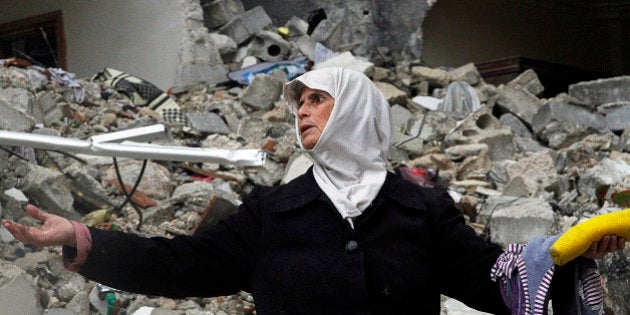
<point>517,165</point>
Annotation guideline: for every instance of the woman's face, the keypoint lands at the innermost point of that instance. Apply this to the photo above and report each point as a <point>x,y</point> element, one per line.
<point>314,109</point>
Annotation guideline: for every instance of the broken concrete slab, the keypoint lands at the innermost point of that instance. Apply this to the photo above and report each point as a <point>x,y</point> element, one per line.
<point>246,25</point>
<point>516,125</point>
<point>560,123</point>
<point>262,92</point>
<point>467,73</point>
<point>400,117</point>
<point>529,81</point>
<point>517,220</point>
<point>347,29</point>
<point>208,123</point>
<point>617,115</point>
<point>392,94</point>
<point>435,77</point>
<point>220,12</point>
<point>47,108</point>
<point>18,295</point>
<point>519,102</point>
<point>48,188</point>
<point>602,91</point>
<point>19,99</point>
<point>13,119</point>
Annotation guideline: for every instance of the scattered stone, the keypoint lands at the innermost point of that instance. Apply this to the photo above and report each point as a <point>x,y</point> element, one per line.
<point>506,154</point>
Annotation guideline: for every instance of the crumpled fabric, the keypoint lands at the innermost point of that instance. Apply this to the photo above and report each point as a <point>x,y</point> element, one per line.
<point>529,280</point>
<point>67,79</point>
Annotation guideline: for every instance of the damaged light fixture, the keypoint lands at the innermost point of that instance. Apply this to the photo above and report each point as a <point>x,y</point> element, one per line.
<point>125,144</point>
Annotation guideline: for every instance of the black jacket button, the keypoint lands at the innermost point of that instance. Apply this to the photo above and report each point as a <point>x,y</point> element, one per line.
<point>351,246</point>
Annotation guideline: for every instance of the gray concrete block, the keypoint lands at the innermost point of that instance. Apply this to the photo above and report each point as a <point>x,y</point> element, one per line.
<point>50,189</point>
<point>518,220</point>
<point>519,102</point>
<point>246,25</point>
<point>262,92</point>
<point>13,119</point>
<point>529,81</point>
<point>602,91</point>
<point>208,123</point>
<point>18,295</point>
<point>220,12</point>
<point>561,111</point>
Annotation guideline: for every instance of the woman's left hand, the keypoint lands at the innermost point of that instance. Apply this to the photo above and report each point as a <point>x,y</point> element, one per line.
<point>608,244</point>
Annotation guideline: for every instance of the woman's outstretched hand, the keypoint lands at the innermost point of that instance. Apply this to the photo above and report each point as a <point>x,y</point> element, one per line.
<point>608,244</point>
<point>55,230</point>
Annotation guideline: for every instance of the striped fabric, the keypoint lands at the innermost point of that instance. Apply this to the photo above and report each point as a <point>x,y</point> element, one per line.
<point>590,289</point>
<point>510,270</point>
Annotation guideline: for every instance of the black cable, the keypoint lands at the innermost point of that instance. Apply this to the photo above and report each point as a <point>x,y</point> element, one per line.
<point>133,190</point>
<point>11,152</point>
<point>72,156</point>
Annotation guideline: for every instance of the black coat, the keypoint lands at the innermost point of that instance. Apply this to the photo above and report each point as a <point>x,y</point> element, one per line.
<point>291,249</point>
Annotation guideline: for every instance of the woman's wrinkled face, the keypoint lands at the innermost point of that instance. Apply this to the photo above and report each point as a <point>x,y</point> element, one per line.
<point>314,108</point>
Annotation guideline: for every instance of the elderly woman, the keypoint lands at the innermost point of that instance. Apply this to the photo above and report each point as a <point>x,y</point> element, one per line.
<point>346,237</point>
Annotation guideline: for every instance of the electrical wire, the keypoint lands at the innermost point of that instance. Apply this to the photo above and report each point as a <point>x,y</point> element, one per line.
<point>133,190</point>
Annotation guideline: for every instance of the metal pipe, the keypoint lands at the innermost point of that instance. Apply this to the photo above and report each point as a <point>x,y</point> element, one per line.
<point>102,145</point>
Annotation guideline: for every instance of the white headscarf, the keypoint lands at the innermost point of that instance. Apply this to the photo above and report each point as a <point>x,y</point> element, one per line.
<point>351,153</point>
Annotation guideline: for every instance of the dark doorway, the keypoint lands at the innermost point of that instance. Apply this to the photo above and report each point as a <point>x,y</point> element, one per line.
<point>39,39</point>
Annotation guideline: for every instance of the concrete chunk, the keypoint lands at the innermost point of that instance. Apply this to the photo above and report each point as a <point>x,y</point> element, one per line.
<point>246,25</point>
<point>392,93</point>
<point>529,81</point>
<point>18,295</point>
<point>269,46</point>
<point>602,91</point>
<point>208,123</point>
<point>262,92</point>
<point>518,220</point>
<point>13,119</point>
<point>560,123</point>
<point>467,73</point>
<point>219,12</point>
<point>48,188</point>
<point>435,77</point>
<point>516,125</point>
<point>519,102</point>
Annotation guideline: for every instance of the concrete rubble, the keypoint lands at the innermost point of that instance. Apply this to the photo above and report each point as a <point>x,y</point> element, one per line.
<point>518,165</point>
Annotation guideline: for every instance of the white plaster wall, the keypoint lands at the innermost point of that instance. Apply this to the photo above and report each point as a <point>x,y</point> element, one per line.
<point>140,37</point>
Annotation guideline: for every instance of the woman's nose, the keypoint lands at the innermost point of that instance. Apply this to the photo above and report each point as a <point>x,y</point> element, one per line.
<point>303,111</point>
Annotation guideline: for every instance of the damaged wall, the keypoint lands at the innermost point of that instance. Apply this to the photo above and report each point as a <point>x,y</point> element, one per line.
<point>118,33</point>
<point>475,31</point>
<point>398,24</point>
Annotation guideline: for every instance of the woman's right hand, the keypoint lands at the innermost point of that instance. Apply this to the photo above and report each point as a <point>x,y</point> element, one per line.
<point>55,230</point>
